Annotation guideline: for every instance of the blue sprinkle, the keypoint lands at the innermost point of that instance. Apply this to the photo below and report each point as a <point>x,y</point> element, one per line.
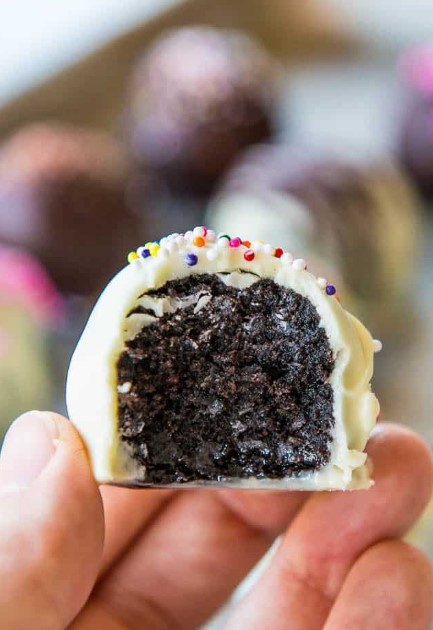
<point>331,290</point>
<point>145,253</point>
<point>191,260</point>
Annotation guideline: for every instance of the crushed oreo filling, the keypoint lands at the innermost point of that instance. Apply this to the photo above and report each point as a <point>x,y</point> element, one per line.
<point>228,383</point>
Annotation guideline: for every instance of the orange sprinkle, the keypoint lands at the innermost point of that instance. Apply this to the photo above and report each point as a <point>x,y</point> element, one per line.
<point>246,243</point>
<point>198,241</point>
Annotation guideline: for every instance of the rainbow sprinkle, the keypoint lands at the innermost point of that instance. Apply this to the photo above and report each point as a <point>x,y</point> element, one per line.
<point>208,246</point>
<point>191,260</point>
<point>132,256</point>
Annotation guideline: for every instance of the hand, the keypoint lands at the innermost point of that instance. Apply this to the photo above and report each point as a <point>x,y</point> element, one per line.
<point>170,559</point>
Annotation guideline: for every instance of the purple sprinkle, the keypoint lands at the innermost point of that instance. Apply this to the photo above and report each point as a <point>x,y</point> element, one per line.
<point>191,260</point>
<point>145,253</point>
<point>331,290</point>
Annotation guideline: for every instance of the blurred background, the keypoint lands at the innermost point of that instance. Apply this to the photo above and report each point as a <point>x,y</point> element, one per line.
<point>309,125</point>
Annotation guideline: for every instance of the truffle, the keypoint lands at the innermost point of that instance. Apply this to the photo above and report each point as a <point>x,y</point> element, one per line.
<point>62,198</point>
<point>358,216</point>
<point>416,131</point>
<point>223,362</point>
<point>30,308</point>
<point>197,97</point>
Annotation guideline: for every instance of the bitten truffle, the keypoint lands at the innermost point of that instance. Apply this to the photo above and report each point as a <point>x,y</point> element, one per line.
<point>198,97</point>
<point>214,360</point>
<point>62,198</point>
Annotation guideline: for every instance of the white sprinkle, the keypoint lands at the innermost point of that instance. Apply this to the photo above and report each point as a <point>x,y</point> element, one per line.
<point>199,231</point>
<point>257,247</point>
<point>299,264</point>
<point>171,247</point>
<point>171,237</point>
<point>188,235</point>
<point>211,236</point>
<point>286,258</point>
<point>179,239</point>
<point>163,241</point>
<point>268,249</point>
<point>322,282</point>
<point>163,252</point>
<point>212,254</point>
<point>125,388</point>
<point>222,243</point>
<point>377,345</point>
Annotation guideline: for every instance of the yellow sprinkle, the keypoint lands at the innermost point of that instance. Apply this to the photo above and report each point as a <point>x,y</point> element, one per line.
<point>149,245</point>
<point>132,256</point>
<point>153,249</point>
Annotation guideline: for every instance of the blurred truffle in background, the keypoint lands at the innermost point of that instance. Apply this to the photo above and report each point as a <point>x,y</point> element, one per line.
<point>359,217</point>
<point>30,308</point>
<point>416,134</point>
<point>63,199</point>
<point>197,97</point>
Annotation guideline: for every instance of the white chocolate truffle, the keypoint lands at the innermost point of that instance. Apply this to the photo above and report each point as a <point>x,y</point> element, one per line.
<point>358,218</point>
<point>134,303</point>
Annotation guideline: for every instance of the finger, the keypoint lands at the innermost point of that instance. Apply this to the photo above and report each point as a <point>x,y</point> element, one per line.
<point>127,514</point>
<point>390,586</point>
<point>190,559</point>
<point>333,529</point>
<point>51,524</point>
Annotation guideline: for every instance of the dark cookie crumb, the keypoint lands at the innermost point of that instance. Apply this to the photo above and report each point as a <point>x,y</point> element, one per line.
<point>238,389</point>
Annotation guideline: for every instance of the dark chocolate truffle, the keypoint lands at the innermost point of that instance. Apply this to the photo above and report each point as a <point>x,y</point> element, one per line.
<point>416,145</point>
<point>62,198</point>
<point>198,97</point>
<point>415,141</point>
<point>416,132</point>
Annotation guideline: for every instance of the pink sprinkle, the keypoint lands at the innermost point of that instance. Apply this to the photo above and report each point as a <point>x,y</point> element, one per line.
<point>235,242</point>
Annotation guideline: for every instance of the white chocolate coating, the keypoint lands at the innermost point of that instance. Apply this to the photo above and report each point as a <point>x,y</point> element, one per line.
<point>92,388</point>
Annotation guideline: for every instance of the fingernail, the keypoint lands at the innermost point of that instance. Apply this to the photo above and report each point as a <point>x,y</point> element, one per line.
<point>28,447</point>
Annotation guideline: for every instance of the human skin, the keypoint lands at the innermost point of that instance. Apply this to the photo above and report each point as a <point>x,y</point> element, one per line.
<point>76,556</point>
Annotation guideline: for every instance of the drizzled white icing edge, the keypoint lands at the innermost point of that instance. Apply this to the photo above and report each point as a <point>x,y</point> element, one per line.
<point>92,395</point>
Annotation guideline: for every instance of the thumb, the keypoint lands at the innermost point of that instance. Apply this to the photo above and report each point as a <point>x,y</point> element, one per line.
<point>51,524</point>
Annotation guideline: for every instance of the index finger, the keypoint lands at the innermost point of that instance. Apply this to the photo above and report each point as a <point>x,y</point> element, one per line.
<point>333,529</point>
